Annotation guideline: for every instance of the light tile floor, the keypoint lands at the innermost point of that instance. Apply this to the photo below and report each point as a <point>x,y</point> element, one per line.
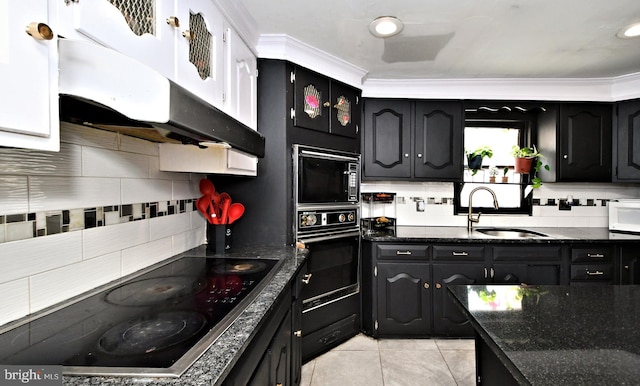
<point>394,362</point>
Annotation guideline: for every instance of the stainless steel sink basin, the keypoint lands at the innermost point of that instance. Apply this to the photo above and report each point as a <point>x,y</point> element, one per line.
<point>511,233</point>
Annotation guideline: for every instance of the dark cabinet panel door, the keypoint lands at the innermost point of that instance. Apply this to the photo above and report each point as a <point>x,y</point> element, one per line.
<point>629,270</point>
<point>387,139</point>
<point>447,318</point>
<point>585,142</point>
<point>404,301</point>
<point>628,141</point>
<point>311,100</point>
<point>344,110</point>
<point>438,140</point>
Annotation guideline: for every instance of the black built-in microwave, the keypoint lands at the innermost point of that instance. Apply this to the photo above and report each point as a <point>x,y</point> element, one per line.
<point>324,176</point>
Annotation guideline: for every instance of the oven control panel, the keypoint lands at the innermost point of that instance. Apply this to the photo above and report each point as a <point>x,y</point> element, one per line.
<point>327,219</point>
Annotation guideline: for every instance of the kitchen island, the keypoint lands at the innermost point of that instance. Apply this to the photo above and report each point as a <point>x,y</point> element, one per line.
<point>554,335</point>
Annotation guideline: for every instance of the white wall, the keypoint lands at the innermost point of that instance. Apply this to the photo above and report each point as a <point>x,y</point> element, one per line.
<point>438,198</point>
<point>49,249</point>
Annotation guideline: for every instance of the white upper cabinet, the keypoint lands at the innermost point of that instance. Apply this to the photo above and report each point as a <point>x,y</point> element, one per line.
<point>240,80</point>
<point>199,50</point>
<point>145,30</point>
<point>28,75</point>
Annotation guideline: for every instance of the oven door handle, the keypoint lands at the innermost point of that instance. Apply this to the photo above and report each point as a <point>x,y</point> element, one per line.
<point>332,236</point>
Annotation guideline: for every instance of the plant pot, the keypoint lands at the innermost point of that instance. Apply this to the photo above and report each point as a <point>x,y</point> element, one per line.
<point>492,179</point>
<point>474,162</point>
<point>523,165</point>
<point>505,179</point>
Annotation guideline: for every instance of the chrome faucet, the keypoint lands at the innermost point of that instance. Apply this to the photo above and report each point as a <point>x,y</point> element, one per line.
<point>470,218</point>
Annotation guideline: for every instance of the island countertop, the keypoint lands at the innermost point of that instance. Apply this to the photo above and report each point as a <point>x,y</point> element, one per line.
<point>558,335</point>
<point>421,234</point>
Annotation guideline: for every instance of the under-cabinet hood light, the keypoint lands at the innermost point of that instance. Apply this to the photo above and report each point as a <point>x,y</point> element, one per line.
<point>385,26</point>
<point>630,31</point>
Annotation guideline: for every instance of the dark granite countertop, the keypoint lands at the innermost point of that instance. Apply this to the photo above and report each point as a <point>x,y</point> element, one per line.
<point>559,335</point>
<point>421,234</point>
<point>217,361</point>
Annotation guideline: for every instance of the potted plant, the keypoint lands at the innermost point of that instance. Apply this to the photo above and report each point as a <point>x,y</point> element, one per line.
<point>493,173</point>
<point>525,158</point>
<point>474,158</point>
<point>505,178</point>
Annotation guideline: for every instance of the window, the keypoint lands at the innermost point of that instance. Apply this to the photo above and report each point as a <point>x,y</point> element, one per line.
<point>500,129</point>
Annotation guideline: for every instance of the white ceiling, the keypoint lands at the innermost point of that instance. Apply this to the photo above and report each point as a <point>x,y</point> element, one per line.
<point>463,39</point>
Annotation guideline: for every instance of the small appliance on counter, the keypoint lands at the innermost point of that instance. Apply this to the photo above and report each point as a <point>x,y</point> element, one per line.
<point>379,214</point>
<point>624,215</point>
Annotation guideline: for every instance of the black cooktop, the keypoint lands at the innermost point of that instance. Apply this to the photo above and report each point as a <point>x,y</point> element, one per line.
<point>149,322</point>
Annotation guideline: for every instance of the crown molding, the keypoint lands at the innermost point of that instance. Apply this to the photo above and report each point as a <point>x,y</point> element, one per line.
<point>551,89</point>
<point>609,89</point>
<point>285,47</point>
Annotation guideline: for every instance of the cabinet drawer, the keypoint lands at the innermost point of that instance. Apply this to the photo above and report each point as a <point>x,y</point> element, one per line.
<point>592,272</point>
<point>528,253</point>
<point>400,251</point>
<point>593,254</point>
<point>458,252</point>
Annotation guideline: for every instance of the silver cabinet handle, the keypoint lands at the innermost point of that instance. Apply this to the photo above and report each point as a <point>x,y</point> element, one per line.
<point>307,278</point>
<point>403,252</point>
<point>596,273</point>
<point>406,155</point>
<point>463,253</point>
<point>419,155</point>
<point>595,255</point>
<point>485,272</point>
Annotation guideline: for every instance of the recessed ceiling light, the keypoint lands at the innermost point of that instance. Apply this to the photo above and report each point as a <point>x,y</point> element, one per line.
<point>385,26</point>
<point>630,31</point>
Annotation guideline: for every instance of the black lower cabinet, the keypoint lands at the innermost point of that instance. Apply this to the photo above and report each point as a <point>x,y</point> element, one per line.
<point>273,368</point>
<point>274,356</point>
<point>405,286</point>
<point>404,301</point>
<point>629,269</point>
<point>448,320</point>
<point>267,359</point>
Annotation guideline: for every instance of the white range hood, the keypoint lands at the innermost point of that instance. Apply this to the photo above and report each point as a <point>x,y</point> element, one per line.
<point>102,87</point>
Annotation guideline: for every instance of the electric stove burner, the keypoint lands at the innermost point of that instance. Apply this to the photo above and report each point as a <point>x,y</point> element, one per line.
<point>156,290</point>
<point>241,267</point>
<point>151,333</point>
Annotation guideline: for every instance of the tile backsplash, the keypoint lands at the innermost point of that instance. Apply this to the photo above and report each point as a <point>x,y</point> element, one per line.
<point>96,211</point>
<point>588,204</point>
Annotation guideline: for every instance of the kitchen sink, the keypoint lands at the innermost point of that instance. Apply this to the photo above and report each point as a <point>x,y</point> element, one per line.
<point>511,233</point>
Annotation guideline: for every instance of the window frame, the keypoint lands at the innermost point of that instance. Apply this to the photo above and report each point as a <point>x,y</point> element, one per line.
<point>521,118</point>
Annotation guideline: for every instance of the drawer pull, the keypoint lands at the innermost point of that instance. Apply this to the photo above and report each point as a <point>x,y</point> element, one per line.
<point>463,253</point>
<point>438,285</point>
<point>426,285</point>
<point>595,255</point>
<point>307,278</point>
<point>403,252</point>
<point>297,333</point>
<point>595,273</point>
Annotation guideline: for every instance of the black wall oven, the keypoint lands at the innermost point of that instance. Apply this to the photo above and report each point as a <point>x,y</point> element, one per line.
<point>327,222</point>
